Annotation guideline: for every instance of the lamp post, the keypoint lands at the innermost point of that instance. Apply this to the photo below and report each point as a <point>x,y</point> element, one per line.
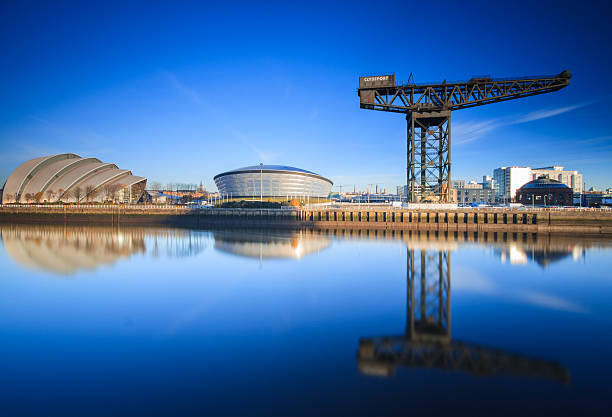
<point>261,180</point>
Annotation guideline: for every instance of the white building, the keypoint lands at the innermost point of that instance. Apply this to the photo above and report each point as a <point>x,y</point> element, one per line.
<point>570,178</point>
<point>509,179</point>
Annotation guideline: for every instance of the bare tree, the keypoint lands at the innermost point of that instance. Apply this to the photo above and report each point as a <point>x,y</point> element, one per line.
<point>50,195</point>
<point>156,186</point>
<point>29,197</point>
<point>106,192</point>
<point>115,188</point>
<point>77,193</point>
<point>93,194</point>
<point>88,190</point>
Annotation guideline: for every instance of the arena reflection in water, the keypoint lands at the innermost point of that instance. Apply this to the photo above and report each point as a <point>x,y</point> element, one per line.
<point>270,244</point>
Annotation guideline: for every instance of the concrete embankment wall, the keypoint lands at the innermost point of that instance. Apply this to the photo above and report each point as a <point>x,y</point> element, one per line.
<point>583,221</point>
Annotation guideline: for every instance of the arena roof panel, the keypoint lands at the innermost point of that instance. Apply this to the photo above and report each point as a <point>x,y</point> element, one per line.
<point>272,168</point>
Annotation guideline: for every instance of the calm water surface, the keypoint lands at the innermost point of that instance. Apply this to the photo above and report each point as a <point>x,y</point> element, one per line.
<point>147,321</point>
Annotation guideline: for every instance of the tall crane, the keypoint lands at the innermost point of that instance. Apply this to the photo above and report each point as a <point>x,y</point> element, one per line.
<point>428,112</point>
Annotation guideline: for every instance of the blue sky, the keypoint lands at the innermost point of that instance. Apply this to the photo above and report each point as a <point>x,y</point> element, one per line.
<point>181,92</point>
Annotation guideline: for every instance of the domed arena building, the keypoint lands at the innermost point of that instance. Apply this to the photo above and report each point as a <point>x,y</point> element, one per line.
<point>272,181</point>
<point>68,178</point>
<point>545,192</point>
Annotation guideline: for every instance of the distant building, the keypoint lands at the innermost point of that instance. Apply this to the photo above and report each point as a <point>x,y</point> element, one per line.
<point>508,180</point>
<point>475,195</point>
<point>157,197</point>
<point>402,190</point>
<point>376,198</point>
<point>545,192</point>
<point>457,184</point>
<point>473,185</point>
<point>471,192</point>
<point>488,183</point>
<point>570,178</point>
<point>596,198</point>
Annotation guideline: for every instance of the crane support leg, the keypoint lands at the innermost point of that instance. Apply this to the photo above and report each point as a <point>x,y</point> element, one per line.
<point>428,171</point>
<point>428,295</point>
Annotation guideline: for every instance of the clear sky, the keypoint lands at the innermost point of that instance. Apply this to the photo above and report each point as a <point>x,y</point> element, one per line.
<point>180,91</point>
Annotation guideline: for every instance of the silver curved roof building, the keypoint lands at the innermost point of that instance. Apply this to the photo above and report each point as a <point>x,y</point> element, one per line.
<point>69,178</point>
<point>272,181</point>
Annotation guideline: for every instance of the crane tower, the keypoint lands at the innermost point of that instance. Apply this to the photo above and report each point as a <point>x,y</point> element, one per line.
<point>428,113</point>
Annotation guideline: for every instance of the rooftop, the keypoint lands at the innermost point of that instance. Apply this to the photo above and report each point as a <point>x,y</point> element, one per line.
<point>544,183</point>
<point>272,168</point>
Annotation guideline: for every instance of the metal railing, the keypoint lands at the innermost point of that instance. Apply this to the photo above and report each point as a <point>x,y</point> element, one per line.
<point>347,206</point>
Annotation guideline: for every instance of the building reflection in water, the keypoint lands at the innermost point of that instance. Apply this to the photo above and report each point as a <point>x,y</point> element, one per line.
<point>427,342</point>
<point>267,244</point>
<point>543,256</point>
<point>65,250</point>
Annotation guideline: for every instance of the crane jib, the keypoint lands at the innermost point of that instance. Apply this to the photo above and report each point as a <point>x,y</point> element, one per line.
<point>428,110</point>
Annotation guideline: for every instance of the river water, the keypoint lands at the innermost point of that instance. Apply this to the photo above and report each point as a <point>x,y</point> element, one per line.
<point>152,321</point>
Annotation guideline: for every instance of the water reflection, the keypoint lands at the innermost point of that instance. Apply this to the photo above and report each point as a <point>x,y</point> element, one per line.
<point>270,244</point>
<point>427,342</point>
<point>515,248</point>
<point>543,256</point>
<point>64,250</point>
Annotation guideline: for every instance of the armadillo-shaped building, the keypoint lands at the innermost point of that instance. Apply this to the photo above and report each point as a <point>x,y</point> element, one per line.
<point>68,178</point>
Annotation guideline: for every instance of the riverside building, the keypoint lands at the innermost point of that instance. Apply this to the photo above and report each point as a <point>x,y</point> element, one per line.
<point>545,191</point>
<point>272,181</point>
<point>68,178</point>
<point>508,180</point>
<point>570,178</point>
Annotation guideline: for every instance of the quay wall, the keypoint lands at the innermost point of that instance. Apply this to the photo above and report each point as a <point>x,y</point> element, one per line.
<point>584,221</point>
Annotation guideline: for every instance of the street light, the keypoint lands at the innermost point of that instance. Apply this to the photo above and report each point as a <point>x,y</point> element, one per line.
<point>261,180</point>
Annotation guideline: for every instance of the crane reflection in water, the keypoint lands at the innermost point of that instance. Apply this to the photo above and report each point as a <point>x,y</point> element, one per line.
<point>427,341</point>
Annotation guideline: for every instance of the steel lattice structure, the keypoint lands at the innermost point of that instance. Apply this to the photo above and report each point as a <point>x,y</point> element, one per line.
<point>428,109</point>
<point>427,341</point>
<point>428,294</point>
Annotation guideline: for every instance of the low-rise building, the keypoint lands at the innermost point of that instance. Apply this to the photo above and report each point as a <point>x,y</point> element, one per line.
<point>544,191</point>
<point>595,199</point>
<point>475,195</point>
<point>472,192</point>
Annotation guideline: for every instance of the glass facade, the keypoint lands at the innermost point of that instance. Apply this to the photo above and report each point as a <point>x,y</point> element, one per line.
<point>272,183</point>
